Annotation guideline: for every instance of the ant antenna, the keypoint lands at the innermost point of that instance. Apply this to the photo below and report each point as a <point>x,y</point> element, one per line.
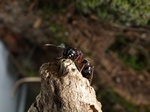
<point>60,46</point>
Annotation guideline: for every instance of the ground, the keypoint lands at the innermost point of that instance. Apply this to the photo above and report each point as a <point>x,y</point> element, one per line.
<point>120,54</point>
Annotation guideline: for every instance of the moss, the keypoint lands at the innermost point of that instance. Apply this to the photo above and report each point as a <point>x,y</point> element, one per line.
<point>138,61</point>
<point>126,12</point>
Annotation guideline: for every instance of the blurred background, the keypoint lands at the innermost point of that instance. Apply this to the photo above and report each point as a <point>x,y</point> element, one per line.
<point>114,36</point>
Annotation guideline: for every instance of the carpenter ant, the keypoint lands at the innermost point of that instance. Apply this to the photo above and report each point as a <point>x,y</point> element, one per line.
<point>86,68</point>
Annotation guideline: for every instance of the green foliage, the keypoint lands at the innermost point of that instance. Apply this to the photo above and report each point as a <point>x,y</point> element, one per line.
<point>133,61</point>
<point>128,12</point>
<point>29,72</point>
<point>121,46</point>
<point>52,6</point>
<point>58,33</point>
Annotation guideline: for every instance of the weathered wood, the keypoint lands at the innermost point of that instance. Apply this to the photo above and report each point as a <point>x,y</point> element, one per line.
<point>64,89</point>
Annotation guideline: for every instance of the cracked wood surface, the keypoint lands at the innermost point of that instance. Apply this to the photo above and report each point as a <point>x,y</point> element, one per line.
<point>64,89</point>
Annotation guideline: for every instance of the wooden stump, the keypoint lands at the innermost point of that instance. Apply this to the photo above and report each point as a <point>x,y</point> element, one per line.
<point>64,89</point>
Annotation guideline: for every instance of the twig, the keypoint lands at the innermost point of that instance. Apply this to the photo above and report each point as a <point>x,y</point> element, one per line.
<point>24,80</point>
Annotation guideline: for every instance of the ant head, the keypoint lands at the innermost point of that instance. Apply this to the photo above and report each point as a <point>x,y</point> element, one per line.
<point>70,52</point>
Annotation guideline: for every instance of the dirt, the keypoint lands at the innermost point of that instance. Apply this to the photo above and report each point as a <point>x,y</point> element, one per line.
<point>24,31</point>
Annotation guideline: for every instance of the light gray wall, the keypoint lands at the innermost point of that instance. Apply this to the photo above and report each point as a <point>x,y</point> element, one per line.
<point>8,103</point>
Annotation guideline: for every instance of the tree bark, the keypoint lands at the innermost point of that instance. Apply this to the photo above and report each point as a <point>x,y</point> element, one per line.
<point>64,89</point>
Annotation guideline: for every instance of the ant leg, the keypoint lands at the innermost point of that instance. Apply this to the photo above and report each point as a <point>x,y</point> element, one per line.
<point>79,56</point>
<point>82,67</point>
<point>76,59</point>
<point>92,75</point>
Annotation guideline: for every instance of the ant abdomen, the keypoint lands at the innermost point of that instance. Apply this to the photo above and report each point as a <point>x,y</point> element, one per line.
<point>87,70</point>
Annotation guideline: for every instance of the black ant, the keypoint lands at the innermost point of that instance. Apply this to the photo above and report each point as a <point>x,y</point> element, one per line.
<point>86,68</point>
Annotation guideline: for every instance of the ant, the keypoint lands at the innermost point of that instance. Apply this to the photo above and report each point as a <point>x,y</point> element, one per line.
<point>86,68</point>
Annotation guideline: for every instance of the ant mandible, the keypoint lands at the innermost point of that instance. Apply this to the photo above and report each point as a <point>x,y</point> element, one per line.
<point>86,68</point>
